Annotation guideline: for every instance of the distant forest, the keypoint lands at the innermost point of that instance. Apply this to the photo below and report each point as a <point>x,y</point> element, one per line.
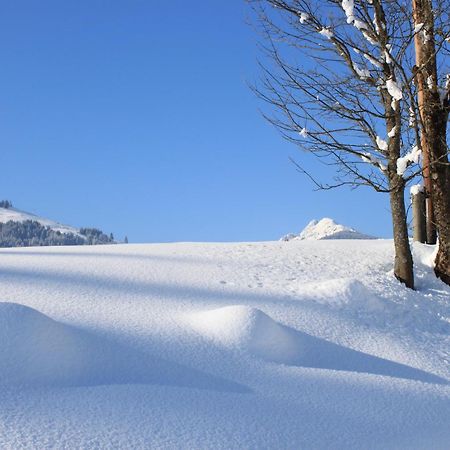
<point>5,204</point>
<point>31,233</point>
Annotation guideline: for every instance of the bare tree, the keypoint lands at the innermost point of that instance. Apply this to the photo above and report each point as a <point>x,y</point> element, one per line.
<point>340,78</point>
<point>432,42</point>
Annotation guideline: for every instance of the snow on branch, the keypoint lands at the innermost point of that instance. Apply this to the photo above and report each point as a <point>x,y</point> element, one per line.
<point>373,160</point>
<point>326,32</point>
<point>405,161</point>
<point>394,89</point>
<point>382,144</point>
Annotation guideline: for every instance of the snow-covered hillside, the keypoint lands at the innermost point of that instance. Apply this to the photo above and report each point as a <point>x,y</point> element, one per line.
<point>21,229</point>
<point>16,215</point>
<point>326,229</point>
<point>309,345</point>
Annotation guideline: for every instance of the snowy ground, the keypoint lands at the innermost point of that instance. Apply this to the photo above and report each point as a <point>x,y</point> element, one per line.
<point>301,344</point>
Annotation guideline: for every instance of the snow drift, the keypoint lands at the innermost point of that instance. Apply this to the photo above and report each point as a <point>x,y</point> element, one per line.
<point>36,350</point>
<point>348,293</point>
<point>251,331</point>
<point>248,329</point>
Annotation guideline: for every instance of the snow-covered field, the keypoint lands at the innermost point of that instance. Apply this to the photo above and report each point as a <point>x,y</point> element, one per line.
<point>300,344</point>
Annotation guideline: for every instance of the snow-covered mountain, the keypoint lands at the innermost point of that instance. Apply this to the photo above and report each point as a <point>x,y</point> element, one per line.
<point>326,229</point>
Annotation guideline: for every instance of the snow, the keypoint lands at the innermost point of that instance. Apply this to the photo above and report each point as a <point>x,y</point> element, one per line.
<point>444,91</point>
<point>387,56</point>
<point>362,72</point>
<point>360,25</point>
<point>412,117</point>
<point>326,32</point>
<point>393,132</point>
<point>366,35</point>
<point>248,329</point>
<point>371,159</point>
<point>373,61</point>
<point>425,35</point>
<point>348,7</point>
<point>304,17</point>
<point>418,27</point>
<point>381,144</point>
<point>37,351</point>
<point>326,229</point>
<point>416,189</point>
<point>16,215</point>
<point>393,89</point>
<point>306,344</point>
<point>288,237</point>
<point>405,161</point>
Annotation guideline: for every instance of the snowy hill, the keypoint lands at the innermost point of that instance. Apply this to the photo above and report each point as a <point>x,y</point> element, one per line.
<point>16,215</point>
<point>250,345</point>
<point>22,229</point>
<point>326,229</point>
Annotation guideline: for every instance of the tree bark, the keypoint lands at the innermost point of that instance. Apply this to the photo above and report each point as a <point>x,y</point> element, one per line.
<point>403,262</point>
<point>419,217</point>
<point>434,117</point>
<point>418,10</point>
<point>440,192</point>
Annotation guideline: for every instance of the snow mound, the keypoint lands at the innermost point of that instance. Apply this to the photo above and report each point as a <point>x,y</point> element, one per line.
<point>425,254</point>
<point>347,293</point>
<point>247,329</point>
<point>326,229</point>
<point>36,350</point>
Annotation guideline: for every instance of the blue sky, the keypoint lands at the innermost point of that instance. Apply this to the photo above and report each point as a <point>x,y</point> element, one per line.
<point>135,117</point>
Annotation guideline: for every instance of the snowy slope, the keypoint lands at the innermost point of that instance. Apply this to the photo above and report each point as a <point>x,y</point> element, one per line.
<point>326,229</point>
<point>16,215</point>
<point>253,345</point>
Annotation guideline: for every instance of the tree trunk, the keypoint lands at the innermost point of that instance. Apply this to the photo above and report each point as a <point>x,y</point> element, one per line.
<point>434,117</point>
<point>419,17</point>
<point>419,217</point>
<point>403,263</point>
<point>440,192</point>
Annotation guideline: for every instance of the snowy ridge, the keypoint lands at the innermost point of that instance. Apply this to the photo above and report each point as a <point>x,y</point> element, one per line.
<point>16,215</point>
<point>326,229</point>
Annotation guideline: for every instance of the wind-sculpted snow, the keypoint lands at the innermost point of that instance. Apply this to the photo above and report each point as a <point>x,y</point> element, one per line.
<point>311,345</point>
<point>248,329</point>
<point>38,351</point>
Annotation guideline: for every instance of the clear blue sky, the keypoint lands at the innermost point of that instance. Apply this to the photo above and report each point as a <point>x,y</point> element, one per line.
<point>135,116</point>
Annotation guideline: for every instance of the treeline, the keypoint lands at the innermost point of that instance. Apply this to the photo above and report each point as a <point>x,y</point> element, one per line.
<point>96,237</point>
<point>5,204</point>
<point>31,233</point>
